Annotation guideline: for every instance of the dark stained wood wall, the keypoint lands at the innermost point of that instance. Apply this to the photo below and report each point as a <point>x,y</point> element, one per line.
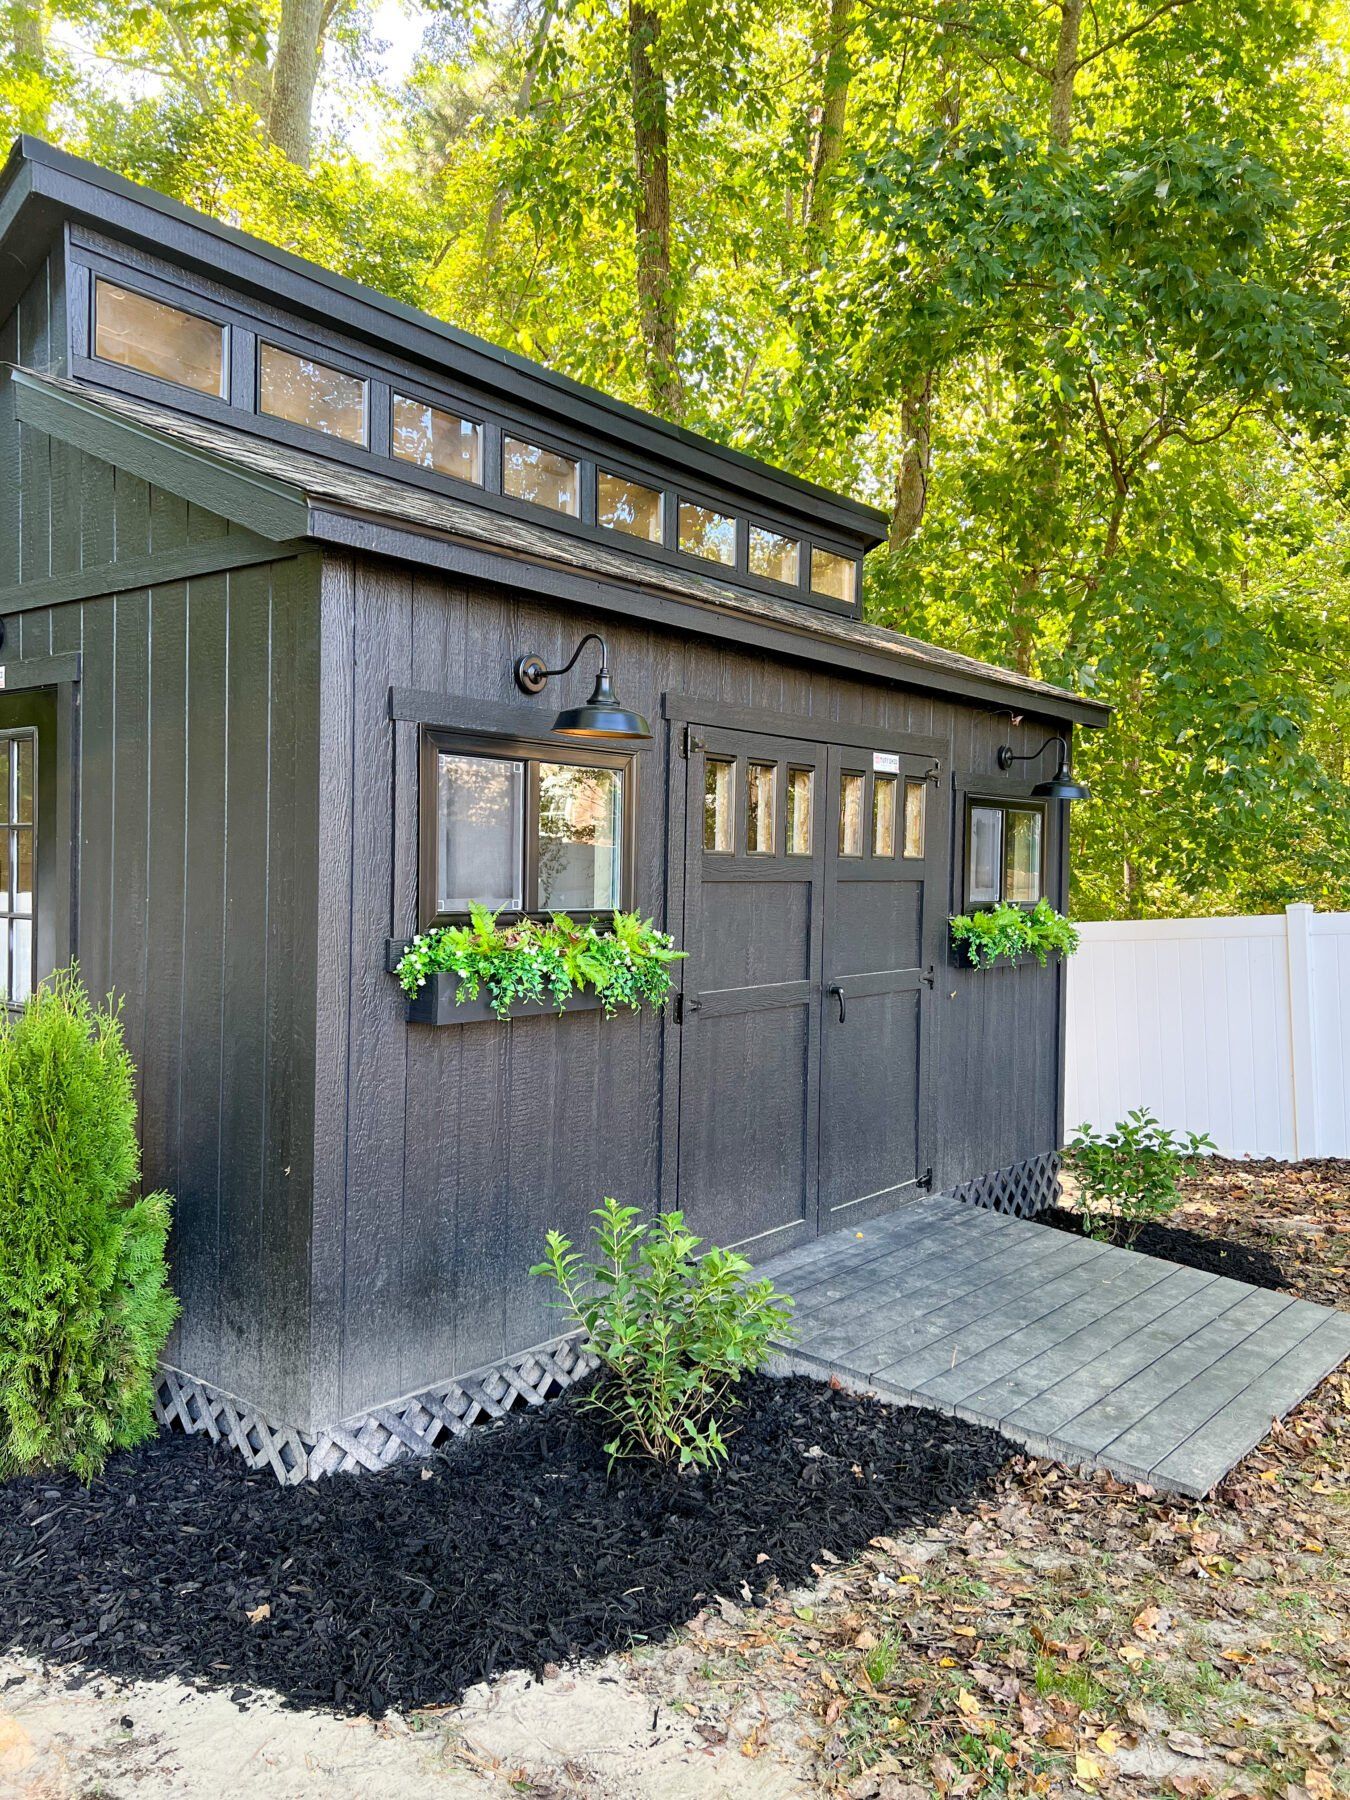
<point>197,783</point>
<point>443,1155</point>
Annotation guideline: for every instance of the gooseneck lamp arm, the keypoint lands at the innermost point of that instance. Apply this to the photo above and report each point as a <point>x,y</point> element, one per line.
<point>531,673</point>
<point>1006,754</point>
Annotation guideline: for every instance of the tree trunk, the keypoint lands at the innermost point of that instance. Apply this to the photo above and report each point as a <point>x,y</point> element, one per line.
<point>28,45</point>
<point>1065,71</point>
<point>295,72</point>
<point>651,152</point>
<point>911,478</point>
<point>829,140</point>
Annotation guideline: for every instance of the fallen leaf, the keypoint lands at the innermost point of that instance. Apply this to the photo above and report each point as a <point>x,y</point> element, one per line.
<point>1108,1742</point>
<point>1087,1771</point>
<point>260,1613</point>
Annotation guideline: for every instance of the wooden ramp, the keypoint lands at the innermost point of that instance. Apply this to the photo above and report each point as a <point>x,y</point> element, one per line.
<point>1075,1350</point>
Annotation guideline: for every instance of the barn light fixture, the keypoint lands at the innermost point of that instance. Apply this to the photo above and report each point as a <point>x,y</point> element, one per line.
<point>1061,785</point>
<point>602,716</point>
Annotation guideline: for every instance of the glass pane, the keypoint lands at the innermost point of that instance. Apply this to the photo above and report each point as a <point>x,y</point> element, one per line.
<point>852,791</point>
<point>1023,882</point>
<point>759,792</point>
<point>580,834</point>
<point>833,575</point>
<point>800,801</point>
<point>6,780</point>
<point>883,815</point>
<point>479,832</point>
<point>21,985</point>
<point>529,472</point>
<point>309,393</point>
<point>915,797</point>
<point>4,962</point>
<point>717,806</point>
<point>145,334</point>
<point>628,506</point>
<point>707,533</point>
<point>23,751</point>
<point>6,870</point>
<point>986,855</point>
<point>774,557</point>
<point>437,440</point>
<point>23,870</point>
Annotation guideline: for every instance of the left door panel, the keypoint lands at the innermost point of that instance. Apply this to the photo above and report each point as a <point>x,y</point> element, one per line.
<point>34,902</point>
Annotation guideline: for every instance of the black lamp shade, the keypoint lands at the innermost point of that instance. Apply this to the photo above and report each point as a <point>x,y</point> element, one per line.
<point>1060,787</point>
<point>601,716</point>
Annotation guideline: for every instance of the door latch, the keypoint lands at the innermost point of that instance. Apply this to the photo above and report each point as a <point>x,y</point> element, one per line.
<point>838,993</point>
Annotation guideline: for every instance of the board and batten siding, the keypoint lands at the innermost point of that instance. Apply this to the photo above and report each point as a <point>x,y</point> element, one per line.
<point>1237,1027</point>
<point>443,1155</point>
<point>196,786</point>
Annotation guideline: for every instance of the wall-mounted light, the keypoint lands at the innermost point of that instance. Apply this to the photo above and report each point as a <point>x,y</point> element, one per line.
<point>602,716</point>
<point>1061,785</point>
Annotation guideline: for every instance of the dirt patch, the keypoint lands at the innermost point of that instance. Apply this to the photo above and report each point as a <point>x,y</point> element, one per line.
<point>520,1549</point>
<point>1193,1249</point>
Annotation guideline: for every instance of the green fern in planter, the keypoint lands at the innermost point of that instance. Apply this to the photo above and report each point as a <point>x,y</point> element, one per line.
<point>1005,932</point>
<point>545,960</point>
<point>84,1302</point>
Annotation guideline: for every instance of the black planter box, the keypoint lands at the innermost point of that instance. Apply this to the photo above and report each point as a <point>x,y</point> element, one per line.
<point>435,1004</point>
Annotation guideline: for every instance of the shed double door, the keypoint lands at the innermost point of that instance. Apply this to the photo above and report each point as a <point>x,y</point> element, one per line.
<point>806,985</point>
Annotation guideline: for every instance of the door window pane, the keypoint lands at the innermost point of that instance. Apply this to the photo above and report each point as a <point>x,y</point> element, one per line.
<point>916,793</point>
<point>1022,884</point>
<point>852,792</point>
<point>759,804</point>
<point>773,556</point>
<point>883,815</point>
<point>529,472</point>
<point>18,872</point>
<point>707,533</point>
<point>833,575</point>
<point>718,822</point>
<point>580,837</point>
<point>437,440</point>
<point>628,506</point>
<point>309,393</point>
<point>138,332</point>
<point>479,830</point>
<point>986,855</point>
<point>800,800</point>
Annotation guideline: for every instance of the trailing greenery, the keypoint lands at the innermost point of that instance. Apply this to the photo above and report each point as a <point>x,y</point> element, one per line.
<point>529,959</point>
<point>1005,932</point>
<point>82,1260</point>
<point>1127,1177</point>
<point>673,1332</point>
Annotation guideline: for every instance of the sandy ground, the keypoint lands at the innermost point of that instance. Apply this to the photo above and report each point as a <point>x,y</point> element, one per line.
<point>597,1732</point>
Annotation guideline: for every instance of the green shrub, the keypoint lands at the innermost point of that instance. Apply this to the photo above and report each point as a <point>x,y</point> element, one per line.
<point>673,1332</point>
<point>1127,1177</point>
<point>1005,932</point>
<point>531,959</point>
<point>84,1305</point>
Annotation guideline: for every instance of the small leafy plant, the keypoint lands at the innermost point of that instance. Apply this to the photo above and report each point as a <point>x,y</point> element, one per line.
<point>86,1303</point>
<point>1005,932</point>
<point>1127,1177</point>
<point>673,1332</point>
<point>532,959</point>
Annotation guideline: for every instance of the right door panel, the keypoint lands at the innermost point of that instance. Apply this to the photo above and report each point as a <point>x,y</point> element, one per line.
<point>878,973</point>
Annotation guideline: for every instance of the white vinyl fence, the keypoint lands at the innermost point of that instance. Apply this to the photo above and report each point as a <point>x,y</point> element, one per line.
<point>1235,1027</point>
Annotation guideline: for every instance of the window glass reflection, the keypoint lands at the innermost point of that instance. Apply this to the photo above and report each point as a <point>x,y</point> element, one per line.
<point>479,816</point>
<point>580,817</point>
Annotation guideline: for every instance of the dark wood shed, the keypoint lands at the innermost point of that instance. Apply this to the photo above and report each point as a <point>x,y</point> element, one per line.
<point>271,546</point>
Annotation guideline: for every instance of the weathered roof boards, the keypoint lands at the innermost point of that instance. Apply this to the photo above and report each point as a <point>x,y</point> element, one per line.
<point>271,549</point>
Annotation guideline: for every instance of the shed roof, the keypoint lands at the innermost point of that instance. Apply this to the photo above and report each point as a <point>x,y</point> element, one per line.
<point>287,494</point>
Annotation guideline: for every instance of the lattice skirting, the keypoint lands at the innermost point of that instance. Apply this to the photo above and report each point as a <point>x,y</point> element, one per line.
<point>1025,1189</point>
<point>415,1426</point>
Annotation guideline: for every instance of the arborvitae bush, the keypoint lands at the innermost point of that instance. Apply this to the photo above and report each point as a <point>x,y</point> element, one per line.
<point>84,1303</point>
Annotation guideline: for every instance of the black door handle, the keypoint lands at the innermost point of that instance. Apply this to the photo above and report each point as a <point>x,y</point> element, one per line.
<point>838,993</point>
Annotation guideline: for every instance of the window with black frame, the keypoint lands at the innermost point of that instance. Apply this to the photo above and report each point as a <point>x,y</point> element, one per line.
<point>18,865</point>
<point>1005,853</point>
<point>523,828</point>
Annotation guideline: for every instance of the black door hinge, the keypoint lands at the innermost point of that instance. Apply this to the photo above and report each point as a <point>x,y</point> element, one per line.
<point>926,1180</point>
<point>683,1006</point>
<point>689,742</point>
<point>929,976</point>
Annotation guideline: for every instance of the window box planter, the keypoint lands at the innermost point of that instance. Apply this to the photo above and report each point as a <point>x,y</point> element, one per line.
<point>435,1003</point>
<point>1004,936</point>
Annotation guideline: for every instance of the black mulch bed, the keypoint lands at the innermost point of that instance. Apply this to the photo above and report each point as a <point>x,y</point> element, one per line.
<point>516,1550</point>
<point>1194,1249</point>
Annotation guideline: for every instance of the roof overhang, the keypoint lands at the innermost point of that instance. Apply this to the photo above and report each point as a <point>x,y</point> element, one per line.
<point>288,512</point>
